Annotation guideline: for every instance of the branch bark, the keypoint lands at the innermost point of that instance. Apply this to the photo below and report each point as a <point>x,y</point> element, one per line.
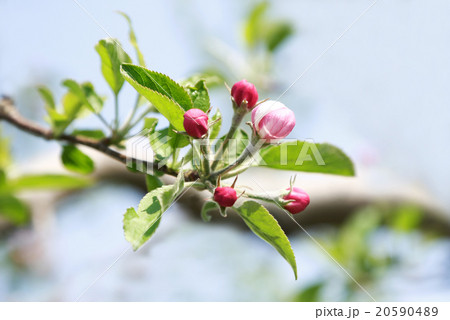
<point>9,113</point>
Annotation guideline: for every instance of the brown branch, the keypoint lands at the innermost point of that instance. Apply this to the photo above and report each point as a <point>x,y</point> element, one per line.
<point>9,113</point>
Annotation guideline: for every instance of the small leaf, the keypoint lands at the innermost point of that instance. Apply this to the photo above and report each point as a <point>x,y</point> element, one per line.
<point>166,143</point>
<point>47,181</point>
<point>112,56</point>
<point>93,134</point>
<point>308,157</point>
<point>277,32</point>
<point>47,96</point>
<point>14,210</point>
<point>133,39</point>
<point>178,140</point>
<point>406,218</point>
<point>260,29</point>
<point>207,207</point>
<point>58,121</point>
<point>254,25</point>
<point>168,97</point>
<point>215,128</point>
<point>150,124</point>
<point>72,106</point>
<point>264,225</point>
<point>75,160</point>
<point>310,293</point>
<point>160,143</point>
<point>86,95</point>
<point>137,229</point>
<point>152,182</point>
<point>158,82</point>
<point>199,95</point>
<point>2,178</point>
<point>92,100</point>
<point>140,225</point>
<point>212,78</point>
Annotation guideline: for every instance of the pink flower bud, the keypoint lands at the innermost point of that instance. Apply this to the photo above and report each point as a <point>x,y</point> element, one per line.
<point>195,123</point>
<point>244,90</point>
<point>301,200</point>
<point>272,120</point>
<point>225,196</point>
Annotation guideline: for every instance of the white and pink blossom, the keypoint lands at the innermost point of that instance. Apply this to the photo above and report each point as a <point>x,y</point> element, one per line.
<point>272,120</point>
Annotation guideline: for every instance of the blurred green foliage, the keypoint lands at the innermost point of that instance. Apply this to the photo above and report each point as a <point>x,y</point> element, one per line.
<point>353,246</point>
<point>260,30</point>
<point>15,211</point>
<point>263,35</point>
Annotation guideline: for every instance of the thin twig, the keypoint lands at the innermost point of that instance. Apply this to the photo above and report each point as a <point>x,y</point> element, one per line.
<point>9,113</point>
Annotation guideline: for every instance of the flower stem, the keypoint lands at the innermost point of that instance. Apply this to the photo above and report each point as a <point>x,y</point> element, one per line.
<point>267,198</point>
<point>205,150</point>
<point>251,148</point>
<point>125,127</point>
<point>235,122</point>
<point>116,108</point>
<point>102,119</point>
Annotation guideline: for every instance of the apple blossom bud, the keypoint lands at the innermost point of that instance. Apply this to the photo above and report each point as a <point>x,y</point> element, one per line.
<point>195,123</point>
<point>272,120</point>
<point>225,196</point>
<point>244,90</point>
<point>301,200</point>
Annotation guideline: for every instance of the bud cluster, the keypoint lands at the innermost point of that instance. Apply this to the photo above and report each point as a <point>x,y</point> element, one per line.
<point>271,121</point>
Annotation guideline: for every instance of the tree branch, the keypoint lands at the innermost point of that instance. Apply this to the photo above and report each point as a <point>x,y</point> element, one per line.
<point>9,113</point>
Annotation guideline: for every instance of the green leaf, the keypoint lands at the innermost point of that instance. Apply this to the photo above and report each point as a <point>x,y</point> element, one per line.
<point>168,97</point>
<point>140,225</point>
<point>86,95</point>
<point>308,157</point>
<point>47,96</point>
<point>215,129</point>
<point>133,39</point>
<point>213,78</point>
<point>160,143</point>
<point>14,210</point>
<point>91,99</point>
<point>152,182</point>
<point>138,229</point>
<point>2,178</point>
<point>58,121</point>
<point>47,181</point>
<point>150,124</point>
<point>112,56</point>
<point>93,134</point>
<point>178,140</point>
<point>260,29</point>
<point>264,225</point>
<point>277,32</point>
<point>199,95</point>
<point>158,82</point>
<point>406,218</point>
<point>166,143</point>
<point>254,24</point>
<point>72,107</point>
<point>207,207</point>
<point>76,161</point>
<point>310,293</point>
